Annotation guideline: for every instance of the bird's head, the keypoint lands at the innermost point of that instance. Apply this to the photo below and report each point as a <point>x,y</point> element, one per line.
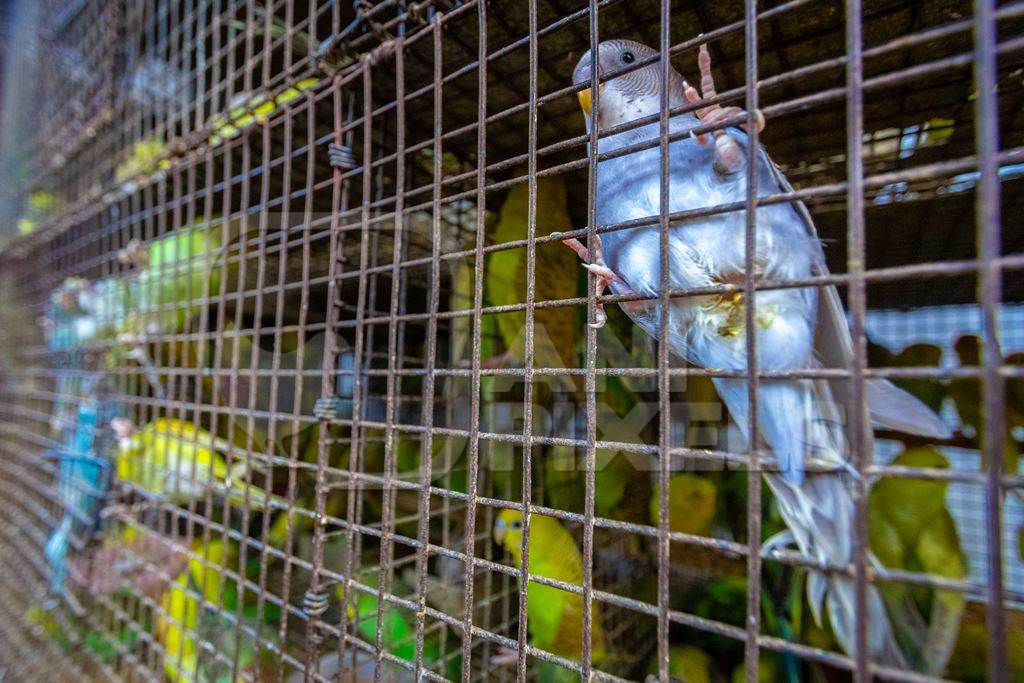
<point>70,296</point>
<point>627,97</point>
<point>508,531</point>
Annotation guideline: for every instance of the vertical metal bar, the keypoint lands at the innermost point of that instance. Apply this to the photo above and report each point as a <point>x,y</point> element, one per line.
<point>427,439</point>
<point>254,378</point>
<point>753,625</point>
<point>988,216</point>
<point>250,423</point>
<point>473,445</point>
<point>314,12</point>
<point>270,445</point>
<point>358,388</point>
<point>860,437</point>
<point>531,288</point>
<point>351,512</point>
<point>293,455</point>
<point>233,409</point>
<point>331,348</point>
<point>183,260</point>
<point>664,313</point>
<point>387,513</point>
<point>204,324</point>
<point>218,357</point>
<point>248,42</point>
<point>590,379</point>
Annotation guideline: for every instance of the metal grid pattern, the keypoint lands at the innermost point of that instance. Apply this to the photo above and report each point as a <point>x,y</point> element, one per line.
<point>281,219</point>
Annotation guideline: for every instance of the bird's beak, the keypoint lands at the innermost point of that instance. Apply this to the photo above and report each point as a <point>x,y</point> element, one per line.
<point>499,532</point>
<point>586,98</point>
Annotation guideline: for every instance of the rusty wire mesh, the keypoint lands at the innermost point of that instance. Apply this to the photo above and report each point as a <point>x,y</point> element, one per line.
<point>303,257</point>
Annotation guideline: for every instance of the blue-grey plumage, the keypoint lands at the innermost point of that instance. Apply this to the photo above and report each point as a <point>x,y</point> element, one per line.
<point>797,328</point>
<point>709,331</point>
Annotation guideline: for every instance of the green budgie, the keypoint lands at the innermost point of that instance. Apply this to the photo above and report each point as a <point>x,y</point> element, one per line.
<point>910,528</point>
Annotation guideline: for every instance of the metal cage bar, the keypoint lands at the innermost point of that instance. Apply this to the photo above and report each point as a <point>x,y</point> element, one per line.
<point>291,275</point>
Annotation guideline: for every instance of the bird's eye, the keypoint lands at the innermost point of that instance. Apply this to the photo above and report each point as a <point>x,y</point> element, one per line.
<point>517,525</point>
<point>628,57</point>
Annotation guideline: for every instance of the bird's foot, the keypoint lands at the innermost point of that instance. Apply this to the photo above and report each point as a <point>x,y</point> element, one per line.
<point>728,154</point>
<point>139,354</point>
<point>119,510</point>
<point>134,254</point>
<point>502,360</point>
<point>784,540</point>
<point>123,427</point>
<point>506,657</point>
<point>605,275</point>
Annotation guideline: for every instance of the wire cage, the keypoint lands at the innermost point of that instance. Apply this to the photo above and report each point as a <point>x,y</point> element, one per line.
<point>299,382</point>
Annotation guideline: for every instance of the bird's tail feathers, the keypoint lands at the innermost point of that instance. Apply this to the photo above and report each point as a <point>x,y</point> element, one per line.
<point>909,629</point>
<point>943,630</point>
<point>819,513</point>
<point>894,408</point>
<point>238,485</point>
<point>800,420</point>
<point>842,611</point>
<point>241,494</point>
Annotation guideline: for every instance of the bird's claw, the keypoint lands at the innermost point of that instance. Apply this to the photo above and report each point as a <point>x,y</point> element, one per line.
<point>784,540</point>
<point>727,151</point>
<point>501,361</point>
<point>605,275</point>
<point>122,427</point>
<point>603,272</point>
<point>134,254</point>
<point>505,657</point>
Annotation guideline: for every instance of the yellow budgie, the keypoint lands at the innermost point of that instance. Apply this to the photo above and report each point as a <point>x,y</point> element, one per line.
<point>554,616</point>
<point>198,587</point>
<point>175,459</point>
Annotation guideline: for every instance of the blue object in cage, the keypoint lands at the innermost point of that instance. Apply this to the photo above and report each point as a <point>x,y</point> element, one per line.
<point>83,479</point>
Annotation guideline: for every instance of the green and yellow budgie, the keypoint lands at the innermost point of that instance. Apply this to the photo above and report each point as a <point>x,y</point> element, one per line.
<point>176,459</point>
<point>173,279</point>
<point>692,500</point>
<point>398,631</point>
<point>970,658</point>
<point>200,587</point>
<point>174,275</point>
<point>556,330</point>
<point>910,528</point>
<point>554,616</point>
<point>398,634</point>
<point>966,393</point>
<point>145,158</point>
<point>685,663</point>
<point>692,505</point>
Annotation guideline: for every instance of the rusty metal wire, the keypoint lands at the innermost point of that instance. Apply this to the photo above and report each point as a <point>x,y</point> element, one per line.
<point>273,233</point>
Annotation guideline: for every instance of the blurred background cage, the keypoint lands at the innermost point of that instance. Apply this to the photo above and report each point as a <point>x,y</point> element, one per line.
<point>286,328</point>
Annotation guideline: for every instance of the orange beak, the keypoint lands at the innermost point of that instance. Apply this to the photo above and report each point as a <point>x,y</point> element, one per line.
<point>587,97</point>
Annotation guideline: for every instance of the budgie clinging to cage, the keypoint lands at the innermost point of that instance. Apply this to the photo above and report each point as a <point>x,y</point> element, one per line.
<point>800,420</point>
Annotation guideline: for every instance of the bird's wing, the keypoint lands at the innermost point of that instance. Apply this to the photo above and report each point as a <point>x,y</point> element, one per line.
<point>547,609</point>
<point>890,406</point>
